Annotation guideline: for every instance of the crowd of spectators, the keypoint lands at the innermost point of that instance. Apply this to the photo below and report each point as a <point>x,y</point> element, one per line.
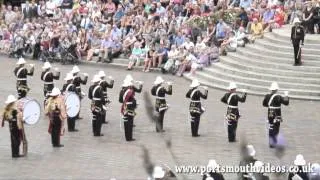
<point>150,33</point>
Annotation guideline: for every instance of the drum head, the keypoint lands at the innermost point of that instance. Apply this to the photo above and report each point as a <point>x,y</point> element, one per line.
<point>31,112</point>
<point>72,102</point>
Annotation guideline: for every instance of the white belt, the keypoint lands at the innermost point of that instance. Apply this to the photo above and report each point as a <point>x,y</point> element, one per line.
<point>195,101</point>
<point>129,103</point>
<point>161,98</point>
<point>96,99</point>
<point>21,79</point>
<point>232,106</point>
<point>78,87</point>
<point>271,107</point>
<point>48,82</point>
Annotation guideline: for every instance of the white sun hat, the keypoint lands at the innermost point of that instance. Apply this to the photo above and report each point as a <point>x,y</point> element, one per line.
<point>46,65</point>
<point>126,83</point>
<point>158,172</point>
<point>101,74</point>
<point>55,92</point>
<point>299,161</point>
<point>251,150</point>
<point>195,83</point>
<point>274,86</point>
<point>11,99</point>
<point>68,77</point>
<point>96,78</point>
<point>296,20</point>
<point>128,78</point>
<point>21,61</point>
<point>212,164</point>
<point>158,80</point>
<point>232,85</point>
<point>75,69</point>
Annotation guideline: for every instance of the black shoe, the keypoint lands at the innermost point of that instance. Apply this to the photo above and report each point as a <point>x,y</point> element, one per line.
<point>105,122</point>
<point>134,125</point>
<point>132,139</point>
<point>79,118</point>
<point>16,156</point>
<point>232,141</point>
<point>100,59</point>
<point>197,135</point>
<point>271,146</point>
<point>73,130</point>
<point>162,131</point>
<point>58,146</point>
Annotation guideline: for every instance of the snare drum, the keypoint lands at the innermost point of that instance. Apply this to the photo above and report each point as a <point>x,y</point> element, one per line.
<point>72,102</point>
<point>30,109</point>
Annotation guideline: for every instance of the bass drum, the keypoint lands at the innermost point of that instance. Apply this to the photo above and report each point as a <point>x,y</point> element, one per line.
<point>30,109</point>
<point>72,102</point>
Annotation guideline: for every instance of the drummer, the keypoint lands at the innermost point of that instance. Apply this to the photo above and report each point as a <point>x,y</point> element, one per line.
<point>47,76</point>
<point>104,86</point>
<point>77,81</point>
<point>69,87</point>
<point>55,109</point>
<point>21,72</point>
<point>14,118</point>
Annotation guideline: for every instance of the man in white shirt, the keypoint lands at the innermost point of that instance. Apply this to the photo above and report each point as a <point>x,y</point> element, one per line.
<point>229,45</point>
<point>188,44</point>
<point>50,8</point>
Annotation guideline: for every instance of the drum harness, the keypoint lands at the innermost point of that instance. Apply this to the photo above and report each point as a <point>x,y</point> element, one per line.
<point>18,73</point>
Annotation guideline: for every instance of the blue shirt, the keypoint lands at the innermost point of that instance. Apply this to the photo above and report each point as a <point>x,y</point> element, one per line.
<point>106,43</point>
<point>220,31</point>
<point>267,16</point>
<point>245,4</point>
<point>118,15</point>
<point>179,40</point>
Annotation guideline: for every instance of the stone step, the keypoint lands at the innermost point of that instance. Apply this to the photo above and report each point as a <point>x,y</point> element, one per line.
<point>254,87</point>
<point>264,51</point>
<point>275,59</point>
<point>271,38</point>
<point>223,85</point>
<point>236,63</point>
<point>285,33</point>
<point>297,86</point>
<point>256,62</point>
<point>285,48</point>
<point>270,77</point>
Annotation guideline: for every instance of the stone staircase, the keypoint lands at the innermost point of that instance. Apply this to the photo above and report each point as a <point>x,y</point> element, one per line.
<point>270,59</point>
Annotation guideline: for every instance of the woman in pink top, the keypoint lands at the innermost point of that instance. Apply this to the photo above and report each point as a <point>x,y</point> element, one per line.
<point>109,8</point>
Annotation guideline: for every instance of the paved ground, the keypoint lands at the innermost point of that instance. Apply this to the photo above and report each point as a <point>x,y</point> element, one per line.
<point>88,157</point>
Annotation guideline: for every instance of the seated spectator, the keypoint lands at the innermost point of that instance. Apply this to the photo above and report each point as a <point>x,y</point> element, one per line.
<point>243,17</point>
<point>187,62</point>
<point>128,43</point>
<point>188,44</point>
<point>83,47</point>
<point>118,15</point>
<point>149,51</point>
<point>105,49</point>
<point>159,56</point>
<point>241,37</point>
<point>173,55</point>
<point>116,50</point>
<point>307,18</point>
<point>95,47</point>
<point>256,30</point>
<point>229,45</point>
<point>245,4</point>
<point>220,29</point>
<point>267,19</point>
<point>136,56</point>
<point>213,54</point>
<point>278,19</point>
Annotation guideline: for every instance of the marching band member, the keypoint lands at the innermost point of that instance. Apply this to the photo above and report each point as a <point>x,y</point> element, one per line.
<point>55,109</point>
<point>98,100</point>
<point>47,76</point>
<point>301,173</point>
<point>77,81</point>
<point>105,85</point>
<point>213,173</point>
<point>69,87</point>
<point>195,107</point>
<point>22,93</point>
<point>14,118</point>
<point>128,108</point>
<point>273,101</point>
<point>161,105</point>
<point>231,98</point>
<point>134,88</point>
<point>21,72</point>
<point>248,157</point>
